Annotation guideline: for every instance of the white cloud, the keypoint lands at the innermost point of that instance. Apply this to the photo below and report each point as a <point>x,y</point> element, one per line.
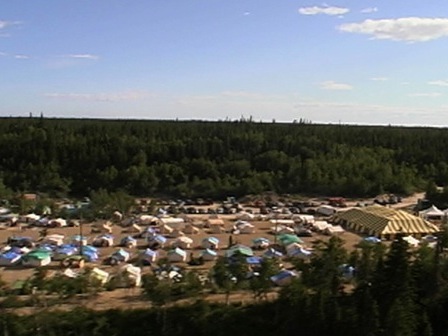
<point>21,57</point>
<point>84,56</point>
<point>369,10</point>
<point>426,94</point>
<point>379,79</point>
<point>439,82</point>
<point>101,97</point>
<point>328,10</point>
<point>3,53</point>
<point>410,29</point>
<point>331,85</point>
<point>4,24</point>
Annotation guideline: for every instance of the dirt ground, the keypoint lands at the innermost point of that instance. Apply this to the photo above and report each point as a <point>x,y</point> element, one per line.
<point>131,297</point>
<point>11,274</point>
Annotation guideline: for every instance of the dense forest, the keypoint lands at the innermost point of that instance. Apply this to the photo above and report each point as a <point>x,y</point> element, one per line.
<point>217,159</point>
<point>394,292</point>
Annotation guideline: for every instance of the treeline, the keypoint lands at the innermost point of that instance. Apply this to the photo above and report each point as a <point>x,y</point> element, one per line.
<point>217,159</point>
<point>393,292</point>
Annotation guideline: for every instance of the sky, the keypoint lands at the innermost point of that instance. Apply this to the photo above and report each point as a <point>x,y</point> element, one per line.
<point>376,62</point>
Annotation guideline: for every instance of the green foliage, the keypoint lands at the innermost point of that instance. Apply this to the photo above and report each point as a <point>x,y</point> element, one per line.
<point>216,159</point>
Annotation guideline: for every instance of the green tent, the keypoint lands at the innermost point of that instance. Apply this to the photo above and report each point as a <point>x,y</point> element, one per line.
<point>286,239</point>
<point>239,249</point>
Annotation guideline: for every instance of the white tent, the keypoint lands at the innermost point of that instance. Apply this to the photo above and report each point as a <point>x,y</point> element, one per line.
<point>177,255</point>
<point>432,213</point>
<point>183,242</point>
<point>245,216</point>
<point>334,229</point>
<point>321,225</point>
<point>175,223</point>
<point>284,222</point>
<point>58,222</point>
<point>246,228</point>
<point>130,276</point>
<point>147,219</point>
<point>54,239</point>
<point>411,241</point>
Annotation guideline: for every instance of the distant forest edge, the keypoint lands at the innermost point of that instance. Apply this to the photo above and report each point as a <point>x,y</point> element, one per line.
<point>218,159</point>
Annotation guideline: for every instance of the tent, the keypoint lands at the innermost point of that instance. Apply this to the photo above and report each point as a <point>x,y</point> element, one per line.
<point>283,278</point>
<point>130,276</point>
<point>261,243</point>
<point>148,256</point>
<point>99,275</point>
<point>58,222</point>
<point>177,255</point>
<point>53,239</point>
<point>411,241</point>
<point>64,251</point>
<point>190,229</point>
<point>9,258</point>
<point>172,222</point>
<point>128,242</point>
<point>156,241</point>
<point>272,253</point>
<point>104,240</point>
<point>208,255</point>
<point>210,243</point>
<point>239,249</point>
<point>183,242</point>
<point>246,228</point>
<point>382,222</point>
<point>432,213</point>
<point>36,258</point>
<point>286,239</point>
<point>299,253</point>
<point>334,229</point>
<point>321,225</point>
<point>79,240</point>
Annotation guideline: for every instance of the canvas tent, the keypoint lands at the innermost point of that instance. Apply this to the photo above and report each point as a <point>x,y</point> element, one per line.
<point>383,222</point>
<point>432,213</point>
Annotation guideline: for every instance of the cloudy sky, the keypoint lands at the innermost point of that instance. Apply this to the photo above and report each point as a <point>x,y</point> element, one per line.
<point>352,61</point>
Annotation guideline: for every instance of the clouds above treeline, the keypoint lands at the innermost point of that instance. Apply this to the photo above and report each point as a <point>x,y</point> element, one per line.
<point>409,29</point>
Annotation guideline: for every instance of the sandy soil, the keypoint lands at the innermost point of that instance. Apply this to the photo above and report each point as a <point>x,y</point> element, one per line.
<point>131,297</point>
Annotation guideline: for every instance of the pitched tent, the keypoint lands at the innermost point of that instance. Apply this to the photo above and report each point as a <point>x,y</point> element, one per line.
<point>261,243</point>
<point>283,278</point>
<point>36,258</point>
<point>99,275</point>
<point>177,255</point>
<point>239,249</point>
<point>432,213</point>
<point>383,222</point>
<point>148,256</point>
<point>286,239</point>
<point>210,243</point>
<point>183,242</point>
<point>9,258</point>
<point>190,229</point>
<point>209,255</point>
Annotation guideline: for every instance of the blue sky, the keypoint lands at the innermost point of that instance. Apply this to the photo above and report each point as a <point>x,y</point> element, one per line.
<point>363,62</point>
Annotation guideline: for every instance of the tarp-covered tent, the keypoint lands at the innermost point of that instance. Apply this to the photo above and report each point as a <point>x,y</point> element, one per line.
<point>383,222</point>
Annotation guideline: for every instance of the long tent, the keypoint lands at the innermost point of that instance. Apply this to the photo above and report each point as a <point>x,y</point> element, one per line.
<point>383,222</point>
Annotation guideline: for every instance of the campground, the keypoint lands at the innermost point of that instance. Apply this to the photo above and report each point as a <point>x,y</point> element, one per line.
<point>131,297</point>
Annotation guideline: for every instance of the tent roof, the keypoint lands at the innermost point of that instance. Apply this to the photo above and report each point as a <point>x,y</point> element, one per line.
<point>432,211</point>
<point>381,220</point>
